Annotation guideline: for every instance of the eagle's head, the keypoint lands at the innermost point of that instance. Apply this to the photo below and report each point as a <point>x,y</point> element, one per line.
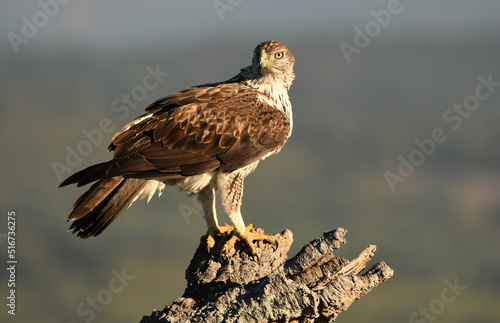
<point>273,61</point>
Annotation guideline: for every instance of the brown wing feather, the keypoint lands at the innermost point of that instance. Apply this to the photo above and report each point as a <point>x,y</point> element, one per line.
<point>198,130</point>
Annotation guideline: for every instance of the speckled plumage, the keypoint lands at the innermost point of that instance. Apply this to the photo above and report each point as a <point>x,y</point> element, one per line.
<point>202,139</point>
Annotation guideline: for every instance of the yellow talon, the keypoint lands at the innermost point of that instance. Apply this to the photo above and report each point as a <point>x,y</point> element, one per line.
<point>248,237</point>
<point>213,231</point>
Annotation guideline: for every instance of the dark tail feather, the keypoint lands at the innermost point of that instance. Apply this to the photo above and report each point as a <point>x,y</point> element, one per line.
<point>102,203</point>
<point>88,175</point>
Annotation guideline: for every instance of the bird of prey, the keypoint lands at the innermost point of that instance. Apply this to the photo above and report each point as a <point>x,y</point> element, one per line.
<point>203,139</point>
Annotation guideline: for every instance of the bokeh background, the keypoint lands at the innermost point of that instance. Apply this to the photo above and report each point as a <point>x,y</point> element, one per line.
<point>357,115</point>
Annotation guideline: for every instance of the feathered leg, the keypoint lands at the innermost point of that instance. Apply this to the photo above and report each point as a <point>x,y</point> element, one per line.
<point>231,190</point>
<point>207,200</point>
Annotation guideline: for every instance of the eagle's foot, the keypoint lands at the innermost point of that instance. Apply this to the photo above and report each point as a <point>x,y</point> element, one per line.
<point>217,230</point>
<point>248,237</point>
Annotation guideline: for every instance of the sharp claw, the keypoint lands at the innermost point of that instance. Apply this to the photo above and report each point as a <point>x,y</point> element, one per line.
<point>253,252</point>
<point>256,258</point>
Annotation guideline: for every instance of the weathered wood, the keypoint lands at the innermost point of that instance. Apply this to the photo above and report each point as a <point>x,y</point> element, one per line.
<point>313,286</point>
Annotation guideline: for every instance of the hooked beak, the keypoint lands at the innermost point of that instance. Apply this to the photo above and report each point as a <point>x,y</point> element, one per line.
<point>264,62</point>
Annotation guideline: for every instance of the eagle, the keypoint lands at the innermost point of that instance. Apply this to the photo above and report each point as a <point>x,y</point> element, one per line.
<point>203,139</point>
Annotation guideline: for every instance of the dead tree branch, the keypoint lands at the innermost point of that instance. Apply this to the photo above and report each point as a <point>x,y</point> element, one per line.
<point>313,286</point>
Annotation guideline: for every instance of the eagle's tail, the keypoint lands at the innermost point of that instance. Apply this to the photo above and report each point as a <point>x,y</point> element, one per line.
<point>103,202</point>
<point>106,199</point>
<point>88,175</point>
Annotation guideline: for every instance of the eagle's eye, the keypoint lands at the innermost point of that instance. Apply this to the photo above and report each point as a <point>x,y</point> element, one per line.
<point>278,55</point>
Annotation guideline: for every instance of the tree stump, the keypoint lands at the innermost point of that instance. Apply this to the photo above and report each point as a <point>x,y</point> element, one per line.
<point>313,286</point>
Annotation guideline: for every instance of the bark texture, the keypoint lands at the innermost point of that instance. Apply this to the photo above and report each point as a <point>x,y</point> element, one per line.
<point>313,286</point>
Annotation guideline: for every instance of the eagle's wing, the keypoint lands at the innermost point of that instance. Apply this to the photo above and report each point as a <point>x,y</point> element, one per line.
<point>198,130</point>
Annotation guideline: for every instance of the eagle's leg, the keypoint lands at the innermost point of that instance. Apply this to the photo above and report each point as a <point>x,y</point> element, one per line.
<point>207,200</point>
<point>231,190</point>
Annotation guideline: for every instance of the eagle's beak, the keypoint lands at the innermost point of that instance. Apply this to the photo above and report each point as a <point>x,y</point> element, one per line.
<point>264,62</point>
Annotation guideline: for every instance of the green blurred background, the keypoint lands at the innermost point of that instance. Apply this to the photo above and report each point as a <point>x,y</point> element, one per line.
<point>352,122</point>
